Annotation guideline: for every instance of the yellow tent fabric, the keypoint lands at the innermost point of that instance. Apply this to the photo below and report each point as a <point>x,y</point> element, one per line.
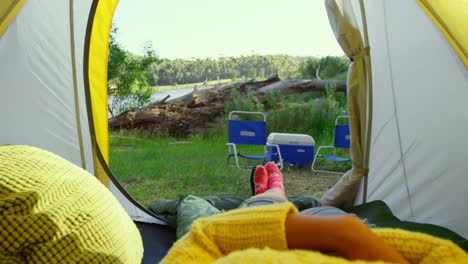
<point>343,21</point>
<point>8,10</point>
<point>97,71</point>
<point>55,212</point>
<point>452,19</point>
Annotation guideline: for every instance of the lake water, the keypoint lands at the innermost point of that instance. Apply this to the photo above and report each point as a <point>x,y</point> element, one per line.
<point>176,93</point>
<point>173,93</point>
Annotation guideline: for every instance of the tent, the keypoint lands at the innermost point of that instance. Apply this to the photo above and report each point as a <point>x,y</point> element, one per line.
<point>406,91</point>
<point>405,94</point>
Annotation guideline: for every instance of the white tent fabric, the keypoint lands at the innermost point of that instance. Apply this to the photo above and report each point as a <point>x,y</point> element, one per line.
<point>420,120</point>
<point>37,65</point>
<point>132,210</point>
<point>344,17</point>
<point>42,85</point>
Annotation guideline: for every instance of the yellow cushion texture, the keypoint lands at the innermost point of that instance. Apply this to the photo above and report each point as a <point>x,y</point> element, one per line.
<point>52,211</point>
<point>258,235</point>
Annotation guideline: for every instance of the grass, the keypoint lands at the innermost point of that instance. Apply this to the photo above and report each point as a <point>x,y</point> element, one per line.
<point>156,167</point>
<point>160,167</point>
<point>161,88</point>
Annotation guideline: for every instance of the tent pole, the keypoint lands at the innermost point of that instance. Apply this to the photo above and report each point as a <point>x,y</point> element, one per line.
<point>367,133</point>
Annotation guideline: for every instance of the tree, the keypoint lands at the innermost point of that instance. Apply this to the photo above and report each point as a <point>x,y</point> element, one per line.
<point>128,76</point>
<point>330,67</point>
<point>309,67</point>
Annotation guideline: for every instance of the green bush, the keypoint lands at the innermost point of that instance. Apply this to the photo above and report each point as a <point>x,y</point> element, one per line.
<point>241,102</point>
<point>301,114</point>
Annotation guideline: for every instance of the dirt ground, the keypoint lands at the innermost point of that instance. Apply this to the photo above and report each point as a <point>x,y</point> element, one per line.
<point>299,182</point>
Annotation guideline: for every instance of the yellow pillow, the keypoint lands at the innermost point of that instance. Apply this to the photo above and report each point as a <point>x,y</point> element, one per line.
<point>52,211</point>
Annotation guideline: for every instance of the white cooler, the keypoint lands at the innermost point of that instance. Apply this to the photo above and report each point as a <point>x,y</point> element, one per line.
<point>296,149</point>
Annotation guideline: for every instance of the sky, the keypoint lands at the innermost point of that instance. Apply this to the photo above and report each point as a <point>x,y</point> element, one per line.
<point>221,28</point>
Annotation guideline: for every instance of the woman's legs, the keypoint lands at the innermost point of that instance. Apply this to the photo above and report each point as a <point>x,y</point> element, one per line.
<point>275,178</point>
<point>260,180</point>
<point>269,188</point>
<point>268,197</point>
<point>324,210</point>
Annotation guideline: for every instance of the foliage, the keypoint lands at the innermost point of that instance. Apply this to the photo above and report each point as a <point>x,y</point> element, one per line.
<point>312,117</point>
<point>243,102</point>
<point>330,67</point>
<point>128,76</point>
<point>158,89</point>
<point>275,99</point>
<point>309,67</point>
<point>171,72</point>
<point>301,114</point>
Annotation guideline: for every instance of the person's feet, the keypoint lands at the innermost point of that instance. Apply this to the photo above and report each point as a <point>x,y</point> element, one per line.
<point>260,180</point>
<point>275,178</point>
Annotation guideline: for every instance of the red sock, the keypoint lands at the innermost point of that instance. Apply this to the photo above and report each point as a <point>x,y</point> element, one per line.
<point>260,179</point>
<point>275,178</point>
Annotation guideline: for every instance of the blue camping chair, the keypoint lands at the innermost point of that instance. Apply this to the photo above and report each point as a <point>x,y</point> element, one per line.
<point>250,132</point>
<point>342,141</point>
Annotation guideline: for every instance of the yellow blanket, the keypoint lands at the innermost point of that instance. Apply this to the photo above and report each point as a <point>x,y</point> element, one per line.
<point>257,235</point>
<point>52,211</point>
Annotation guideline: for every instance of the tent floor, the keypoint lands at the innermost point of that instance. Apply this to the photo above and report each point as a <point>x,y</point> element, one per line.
<point>157,240</point>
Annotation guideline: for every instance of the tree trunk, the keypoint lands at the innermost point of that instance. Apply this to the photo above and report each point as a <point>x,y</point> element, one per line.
<point>200,108</point>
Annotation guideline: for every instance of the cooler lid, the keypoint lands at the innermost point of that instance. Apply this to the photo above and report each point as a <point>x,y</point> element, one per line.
<point>290,139</point>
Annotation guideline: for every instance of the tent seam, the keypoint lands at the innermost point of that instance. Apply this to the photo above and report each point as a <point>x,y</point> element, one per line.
<point>75,86</point>
<point>395,113</point>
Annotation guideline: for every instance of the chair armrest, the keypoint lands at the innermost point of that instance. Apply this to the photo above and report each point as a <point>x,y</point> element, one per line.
<point>323,147</point>
<point>279,154</point>
<point>317,153</point>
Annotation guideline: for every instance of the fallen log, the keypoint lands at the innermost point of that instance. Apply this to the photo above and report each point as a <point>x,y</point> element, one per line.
<point>172,119</point>
<point>291,87</point>
<point>287,87</point>
<point>195,111</point>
